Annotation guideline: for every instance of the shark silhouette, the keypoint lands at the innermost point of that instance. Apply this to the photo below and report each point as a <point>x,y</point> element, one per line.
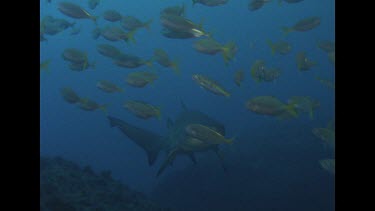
<point>153,143</point>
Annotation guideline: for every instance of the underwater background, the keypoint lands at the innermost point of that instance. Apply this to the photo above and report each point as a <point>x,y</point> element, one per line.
<point>273,163</point>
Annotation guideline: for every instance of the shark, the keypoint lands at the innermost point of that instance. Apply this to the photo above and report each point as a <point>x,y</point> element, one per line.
<point>175,142</point>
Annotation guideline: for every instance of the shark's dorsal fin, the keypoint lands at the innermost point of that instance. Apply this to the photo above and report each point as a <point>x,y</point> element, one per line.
<point>169,123</point>
<point>183,105</point>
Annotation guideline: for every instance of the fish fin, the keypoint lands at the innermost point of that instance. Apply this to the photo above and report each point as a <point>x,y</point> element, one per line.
<point>211,33</point>
<point>200,25</point>
<point>272,46</point>
<point>183,9</point>
<point>147,24</point>
<point>286,30</point>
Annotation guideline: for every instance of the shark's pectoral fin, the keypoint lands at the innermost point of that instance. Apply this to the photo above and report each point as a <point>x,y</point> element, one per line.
<point>220,156</point>
<point>192,157</point>
<point>149,141</point>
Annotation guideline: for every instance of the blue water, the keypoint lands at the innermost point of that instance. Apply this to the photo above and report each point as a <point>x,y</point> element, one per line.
<point>273,164</point>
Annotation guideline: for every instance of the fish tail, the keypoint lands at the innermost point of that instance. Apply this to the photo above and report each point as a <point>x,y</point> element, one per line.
<point>286,30</point>
<point>104,108</point>
<point>290,108</point>
<point>272,46</point>
<point>130,36</point>
<point>149,62</point>
<point>175,67</point>
<point>313,63</point>
<point>86,63</point>
<point>45,66</point>
<point>230,141</point>
<point>228,51</point>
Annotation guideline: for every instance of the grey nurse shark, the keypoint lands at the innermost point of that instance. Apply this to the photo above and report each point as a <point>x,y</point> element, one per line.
<point>172,143</point>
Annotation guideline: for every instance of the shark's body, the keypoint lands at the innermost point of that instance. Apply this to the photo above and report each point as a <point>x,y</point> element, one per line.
<point>153,143</point>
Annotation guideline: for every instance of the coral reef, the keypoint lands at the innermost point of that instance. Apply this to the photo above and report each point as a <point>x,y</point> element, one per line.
<point>66,186</point>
